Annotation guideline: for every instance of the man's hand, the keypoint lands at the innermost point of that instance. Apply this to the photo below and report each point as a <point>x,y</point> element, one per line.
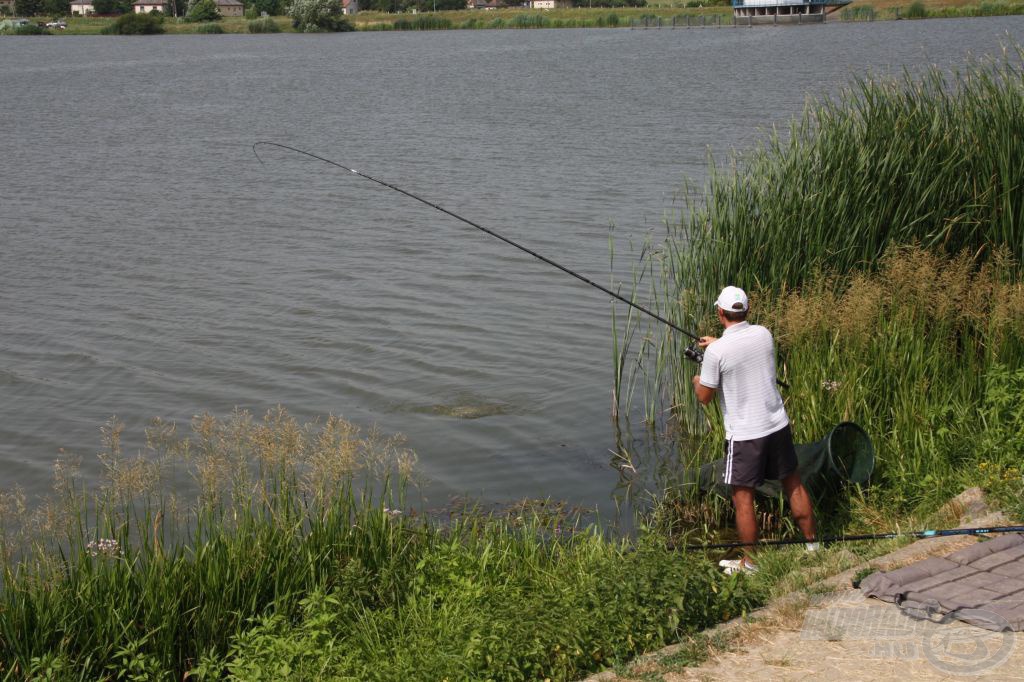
<point>704,394</point>
<point>706,341</point>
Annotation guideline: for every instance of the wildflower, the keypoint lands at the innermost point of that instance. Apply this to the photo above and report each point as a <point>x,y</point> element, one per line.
<point>831,385</point>
<point>392,512</point>
<point>105,547</point>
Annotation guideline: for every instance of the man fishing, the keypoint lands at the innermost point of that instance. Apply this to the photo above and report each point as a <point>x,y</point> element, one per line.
<point>740,367</point>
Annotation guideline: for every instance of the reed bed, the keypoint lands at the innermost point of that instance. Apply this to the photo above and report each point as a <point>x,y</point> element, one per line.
<point>298,559</point>
<point>881,236</point>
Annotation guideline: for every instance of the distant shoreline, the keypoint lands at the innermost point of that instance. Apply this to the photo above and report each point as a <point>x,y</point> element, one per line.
<point>669,15</point>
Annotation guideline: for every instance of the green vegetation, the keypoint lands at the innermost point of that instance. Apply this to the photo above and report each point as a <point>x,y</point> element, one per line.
<point>32,8</point>
<point>422,22</point>
<point>858,13</point>
<point>112,6</point>
<point>265,25</point>
<point>209,28</point>
<point>881,239</point>
<point>312,16</point>
<point>297,561</point>
<point>991,8</point>
<point>916,10</point>
<point>451,14</point>
<point>203,11</point>
<point>136,24</point>
<point>26,30</point>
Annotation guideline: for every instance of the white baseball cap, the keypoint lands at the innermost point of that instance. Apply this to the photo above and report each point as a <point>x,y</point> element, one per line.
<point>733,299</point>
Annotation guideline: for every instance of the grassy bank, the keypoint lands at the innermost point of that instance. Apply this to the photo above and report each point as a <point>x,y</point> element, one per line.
<point>297,559</point>
<point>882,238</point>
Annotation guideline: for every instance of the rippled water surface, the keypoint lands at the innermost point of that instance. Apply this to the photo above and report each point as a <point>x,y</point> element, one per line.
<point>150,266</point>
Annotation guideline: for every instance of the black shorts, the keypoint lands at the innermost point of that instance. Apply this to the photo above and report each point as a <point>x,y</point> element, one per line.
<point>749,462</point>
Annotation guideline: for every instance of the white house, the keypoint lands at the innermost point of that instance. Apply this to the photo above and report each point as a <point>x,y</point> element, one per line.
<point>82,8</point>
<point>550,4</point>
<point>147,6</point>
<point>349,6</point>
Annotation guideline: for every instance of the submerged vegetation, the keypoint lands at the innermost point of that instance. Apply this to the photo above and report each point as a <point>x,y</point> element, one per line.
<point>881,239</point>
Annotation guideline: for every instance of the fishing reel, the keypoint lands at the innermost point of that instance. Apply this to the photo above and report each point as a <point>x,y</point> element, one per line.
<point>694,353</point>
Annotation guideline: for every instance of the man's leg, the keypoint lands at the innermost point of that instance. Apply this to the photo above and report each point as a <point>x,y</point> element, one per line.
<point>799,505</point>
<point>746,522</point>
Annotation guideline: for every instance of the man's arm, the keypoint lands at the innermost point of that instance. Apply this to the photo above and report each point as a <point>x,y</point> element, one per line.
<point>704,394</point>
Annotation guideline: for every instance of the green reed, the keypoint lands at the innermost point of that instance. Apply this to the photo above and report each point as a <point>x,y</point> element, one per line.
<point>929,161</point>
<point>912,352</point>
<point>992,8</point>
<point>299,554</point>
<point>423,22</point>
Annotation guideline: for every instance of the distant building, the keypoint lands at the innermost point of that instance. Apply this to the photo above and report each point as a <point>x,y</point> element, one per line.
<point>550,4</point>
<point>147,6</point>
<point>82,8</point>
<point>784,11</point>
<point>230,8</point>
<point>349,6</point>
<point>7,5</point>
<point>484,4</point>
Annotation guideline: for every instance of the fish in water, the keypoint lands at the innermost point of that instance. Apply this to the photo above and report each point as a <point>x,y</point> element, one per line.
<point>470,411</point>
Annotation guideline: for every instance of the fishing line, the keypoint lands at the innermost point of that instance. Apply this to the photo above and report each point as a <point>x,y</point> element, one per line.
<point>491,232</point>
<point>947,532</point>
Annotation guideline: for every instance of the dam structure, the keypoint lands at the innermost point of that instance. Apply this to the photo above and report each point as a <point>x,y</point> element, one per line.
<point>784,11</point>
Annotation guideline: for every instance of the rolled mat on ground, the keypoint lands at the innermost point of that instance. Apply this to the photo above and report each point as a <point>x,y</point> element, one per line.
<point>982,585</point>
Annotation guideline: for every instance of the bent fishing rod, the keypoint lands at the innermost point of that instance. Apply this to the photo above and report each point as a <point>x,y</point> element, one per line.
<point>691,352</point>
<point>947,532</point>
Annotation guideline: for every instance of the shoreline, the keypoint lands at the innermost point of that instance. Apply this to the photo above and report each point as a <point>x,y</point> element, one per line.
<point>662,16</point>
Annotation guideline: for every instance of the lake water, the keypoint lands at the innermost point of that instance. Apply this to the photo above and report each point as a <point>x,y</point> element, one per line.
<point>150,266</point>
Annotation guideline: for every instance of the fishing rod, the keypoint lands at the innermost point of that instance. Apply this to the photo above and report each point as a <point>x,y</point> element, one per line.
<point>947,532</point>
<point>691,352</point>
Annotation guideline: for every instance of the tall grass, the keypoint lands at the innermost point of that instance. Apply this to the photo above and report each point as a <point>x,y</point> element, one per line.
<point>991,8</point>
<point>423,22</point>
<point>263,25</point>
<point>298,559</point>
<point>858,13</point>
<point>910,352</point>
<point>882,236</point>
<point>930,159</point>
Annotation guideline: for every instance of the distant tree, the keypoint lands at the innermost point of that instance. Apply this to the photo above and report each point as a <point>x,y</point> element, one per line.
<point>28,8</point>
<point>916,10</point>
<point>617,3</point>
<point>112,6</point>
<point>391,5</point>
<point>136,24</point>
<point>439,5</point>
<point>203,10</point>
<point>274,8</point>
<point>318,15</point>
<point>57,8</point>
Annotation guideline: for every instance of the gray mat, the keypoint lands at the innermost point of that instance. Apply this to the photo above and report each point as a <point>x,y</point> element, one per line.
<point>982,585</point>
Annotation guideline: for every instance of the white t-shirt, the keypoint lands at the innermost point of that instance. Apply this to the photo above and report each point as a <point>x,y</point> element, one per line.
<point>741,365</point>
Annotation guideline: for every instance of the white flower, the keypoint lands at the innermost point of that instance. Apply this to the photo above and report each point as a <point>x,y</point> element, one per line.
<point>107,547</point>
